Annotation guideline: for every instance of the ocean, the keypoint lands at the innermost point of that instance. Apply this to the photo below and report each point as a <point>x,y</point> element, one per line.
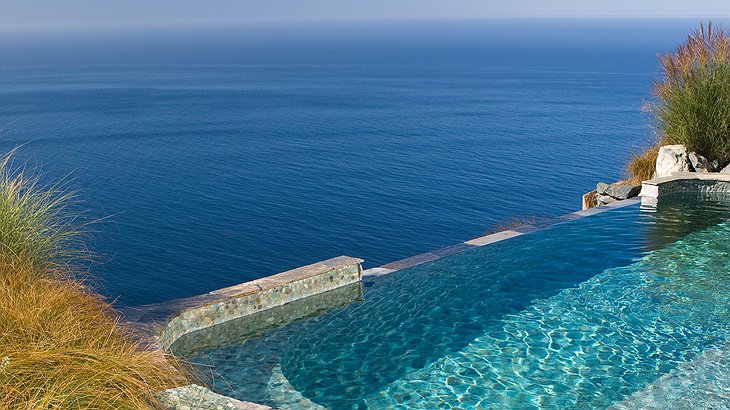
<point>224,154</point>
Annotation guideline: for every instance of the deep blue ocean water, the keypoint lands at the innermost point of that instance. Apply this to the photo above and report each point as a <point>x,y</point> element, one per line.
<point>225,154</point>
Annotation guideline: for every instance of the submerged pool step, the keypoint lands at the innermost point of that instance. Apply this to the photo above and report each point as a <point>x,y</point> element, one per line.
<point>592,345</point>
<point>284,396</point>
<point>702,383</point>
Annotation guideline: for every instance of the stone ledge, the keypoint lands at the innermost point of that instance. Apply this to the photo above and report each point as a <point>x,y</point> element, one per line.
<point>678,176</point>
<point>377,272</point>
<point>492,238</point>
<point>412,261</point>
<point>166,322</point>
<point>236,331</point>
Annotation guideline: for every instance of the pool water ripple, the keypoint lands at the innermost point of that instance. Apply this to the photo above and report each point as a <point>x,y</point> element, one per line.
<point>577,315</point>
<point>589,346</point>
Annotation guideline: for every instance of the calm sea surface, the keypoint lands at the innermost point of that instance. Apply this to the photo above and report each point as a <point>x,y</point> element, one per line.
<point>226,154</point>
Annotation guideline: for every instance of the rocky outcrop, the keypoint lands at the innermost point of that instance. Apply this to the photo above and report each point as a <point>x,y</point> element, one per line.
<point>607,193</point>
<point>618,190</point>
<point>698,163</point>
<point>671,159</point>
<point>194,397</point>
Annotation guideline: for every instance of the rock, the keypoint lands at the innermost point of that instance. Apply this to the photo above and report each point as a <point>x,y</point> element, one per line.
<point>725,170</point>
<point>604,199</point>
<point>601,197</point>
<point>671,159</point>
<point>617,191</point>
<point>602,187</point>
<point>623,191</point>
<point>699,163</point>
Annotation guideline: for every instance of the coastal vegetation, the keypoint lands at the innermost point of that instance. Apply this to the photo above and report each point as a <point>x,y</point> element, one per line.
<point>62,346</point>
<point>692,101</point>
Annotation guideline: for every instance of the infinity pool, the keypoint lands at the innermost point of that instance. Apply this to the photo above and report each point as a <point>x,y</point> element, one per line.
<point>580,314</point>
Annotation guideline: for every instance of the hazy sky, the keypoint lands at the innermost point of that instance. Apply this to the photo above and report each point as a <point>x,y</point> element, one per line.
<point>101,12</point>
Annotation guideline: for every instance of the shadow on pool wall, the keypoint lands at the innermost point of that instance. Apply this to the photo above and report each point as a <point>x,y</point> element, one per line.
<point>679,214</point>
<point>239,330</point>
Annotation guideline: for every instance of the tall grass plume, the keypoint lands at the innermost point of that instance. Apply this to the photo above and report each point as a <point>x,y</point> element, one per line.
<point>692,98</point>
<point>61,344</point>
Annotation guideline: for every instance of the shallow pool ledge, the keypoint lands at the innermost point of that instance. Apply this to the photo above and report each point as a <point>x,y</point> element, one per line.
<point>684,182</point>
<point>168,321</point>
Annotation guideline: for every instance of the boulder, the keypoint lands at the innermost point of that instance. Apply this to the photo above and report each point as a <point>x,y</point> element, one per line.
<point>623,191</point>
<point>725,170</point>
<point>604,199</point>
<point>602,187</point>
<point>618,190</point>
<point>699,163</point>
<point>671,159</point>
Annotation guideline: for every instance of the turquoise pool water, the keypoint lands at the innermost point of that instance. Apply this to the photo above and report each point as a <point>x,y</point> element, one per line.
<point>578,315</point>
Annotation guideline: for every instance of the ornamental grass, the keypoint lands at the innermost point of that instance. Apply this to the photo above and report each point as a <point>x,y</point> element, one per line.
<point>692,99</point>
<point>61,344</point>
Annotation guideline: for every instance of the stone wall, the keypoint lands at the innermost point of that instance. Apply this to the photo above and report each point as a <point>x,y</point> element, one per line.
<point>166,322</point>
<point>238,330</point>
<point>704,184</point>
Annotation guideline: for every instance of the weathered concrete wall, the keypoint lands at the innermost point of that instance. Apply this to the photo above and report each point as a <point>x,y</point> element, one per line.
<point>704,184</point>
<point>166,322</point>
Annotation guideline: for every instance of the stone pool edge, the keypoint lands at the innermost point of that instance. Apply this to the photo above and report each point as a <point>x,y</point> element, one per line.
<point>164,323</point>
<point>489,239</point>
<point>683,182</point>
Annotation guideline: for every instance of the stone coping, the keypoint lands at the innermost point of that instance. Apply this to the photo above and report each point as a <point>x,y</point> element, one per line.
<point>166,322</point>
<point>687,182</point>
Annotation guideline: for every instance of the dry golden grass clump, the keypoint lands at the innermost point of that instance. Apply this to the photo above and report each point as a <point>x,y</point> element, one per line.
<point>642,166</point>
<point>61,345</point>
<point>692,99</point>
